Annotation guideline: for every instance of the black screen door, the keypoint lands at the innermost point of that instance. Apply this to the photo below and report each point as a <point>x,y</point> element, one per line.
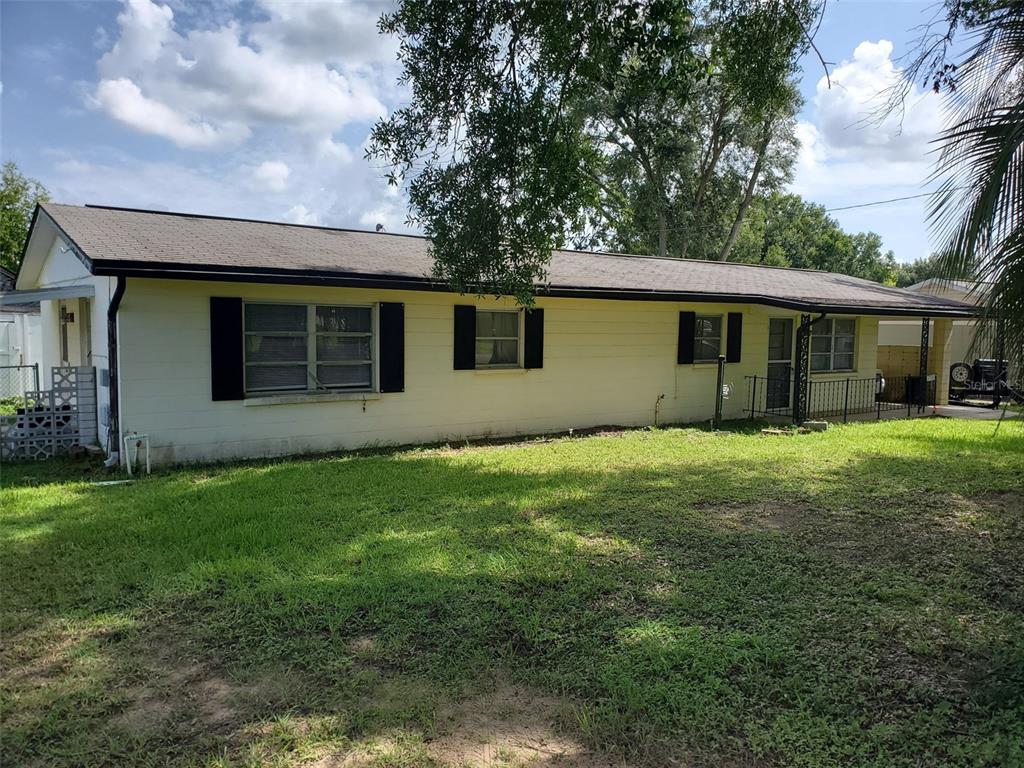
<point>780,362</point>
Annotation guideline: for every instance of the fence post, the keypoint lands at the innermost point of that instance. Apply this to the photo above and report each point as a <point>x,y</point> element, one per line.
<point>753,397</point>
<point>846,400</point>
<point>718,392</point>
<point>35,375</point>
<point>879,391</point>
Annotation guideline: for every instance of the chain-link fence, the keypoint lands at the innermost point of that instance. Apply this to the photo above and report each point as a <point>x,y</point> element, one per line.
<point>16,380</point>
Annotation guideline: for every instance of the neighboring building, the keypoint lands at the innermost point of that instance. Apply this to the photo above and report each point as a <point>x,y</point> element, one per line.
<point>899,340</point>
<point>237,338</point>
<point>20,339</point>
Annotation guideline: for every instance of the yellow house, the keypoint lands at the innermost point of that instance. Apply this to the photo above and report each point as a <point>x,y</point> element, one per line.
<point>221,338</point>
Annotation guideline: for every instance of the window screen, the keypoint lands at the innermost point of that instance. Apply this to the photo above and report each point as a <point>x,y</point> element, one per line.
<point>832,344</point>
<point>298,347</point>
<point>275,347</point>
<point>707,338</point>
<point>497,339</point>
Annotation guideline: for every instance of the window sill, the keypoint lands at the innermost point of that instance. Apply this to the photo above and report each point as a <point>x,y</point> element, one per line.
<point>310,397</point>
<point>498,371</point>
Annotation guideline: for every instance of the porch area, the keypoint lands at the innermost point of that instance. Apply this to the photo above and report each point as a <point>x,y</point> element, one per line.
<point>817,370</point>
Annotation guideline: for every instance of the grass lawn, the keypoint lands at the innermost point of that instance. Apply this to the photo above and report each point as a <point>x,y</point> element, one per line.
<point>675,596</point>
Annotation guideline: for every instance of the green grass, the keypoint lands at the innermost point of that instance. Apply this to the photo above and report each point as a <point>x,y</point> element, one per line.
<point>676,596</point>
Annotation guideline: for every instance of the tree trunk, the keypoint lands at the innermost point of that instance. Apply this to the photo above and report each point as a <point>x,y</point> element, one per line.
<point>662,233</point>
<point>755,173</point>
<point>716,145</point>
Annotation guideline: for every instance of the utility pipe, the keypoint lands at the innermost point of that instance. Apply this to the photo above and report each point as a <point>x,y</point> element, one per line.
<point>114,425</point>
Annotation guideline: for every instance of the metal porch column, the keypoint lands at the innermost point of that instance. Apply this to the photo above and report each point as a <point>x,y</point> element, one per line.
<point>922,398</point>
<point>802,377</point>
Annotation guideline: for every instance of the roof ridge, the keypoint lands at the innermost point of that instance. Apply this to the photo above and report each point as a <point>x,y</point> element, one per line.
<point>213,217</point>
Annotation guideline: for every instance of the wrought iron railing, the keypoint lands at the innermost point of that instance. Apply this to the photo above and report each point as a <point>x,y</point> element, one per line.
<point>769,396</point>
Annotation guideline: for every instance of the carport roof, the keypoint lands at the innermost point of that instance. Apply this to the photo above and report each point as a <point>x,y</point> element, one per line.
<point>138,243</point>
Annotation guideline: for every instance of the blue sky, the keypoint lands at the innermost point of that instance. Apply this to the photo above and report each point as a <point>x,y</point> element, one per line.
<point>261,109</point>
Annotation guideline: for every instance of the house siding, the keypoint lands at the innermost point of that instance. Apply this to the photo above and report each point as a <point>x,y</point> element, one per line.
<point>605,362</point>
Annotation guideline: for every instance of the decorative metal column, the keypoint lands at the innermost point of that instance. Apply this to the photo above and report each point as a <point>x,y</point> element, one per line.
<point>802,378</point>
<point>922,399</point>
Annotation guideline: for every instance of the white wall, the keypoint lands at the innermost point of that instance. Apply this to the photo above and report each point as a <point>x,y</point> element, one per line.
<point>907,333</point>
<point>63,268</point>
<point>20,338</point>
<point>605,362</point>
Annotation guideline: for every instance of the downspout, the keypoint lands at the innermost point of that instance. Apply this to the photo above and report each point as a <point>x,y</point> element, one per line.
<point>114,424</point>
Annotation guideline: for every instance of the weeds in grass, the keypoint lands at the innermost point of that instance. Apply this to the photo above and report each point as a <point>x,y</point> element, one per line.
<point>852,597</point>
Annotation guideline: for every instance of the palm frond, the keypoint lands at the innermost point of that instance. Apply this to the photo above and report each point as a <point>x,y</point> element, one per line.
<point>977,211</point>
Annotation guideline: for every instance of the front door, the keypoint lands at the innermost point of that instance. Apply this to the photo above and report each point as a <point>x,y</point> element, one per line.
<point>780,362</point>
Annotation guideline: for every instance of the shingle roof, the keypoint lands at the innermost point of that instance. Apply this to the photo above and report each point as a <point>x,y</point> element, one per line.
<point>131,242</point>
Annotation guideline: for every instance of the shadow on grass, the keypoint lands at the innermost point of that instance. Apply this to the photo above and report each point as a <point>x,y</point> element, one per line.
<point>721,607</point>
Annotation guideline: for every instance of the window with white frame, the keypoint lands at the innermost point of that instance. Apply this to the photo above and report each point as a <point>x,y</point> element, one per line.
<point>707,338</point>
<point>497,339</point>
<point>832,344</point>
<point>308,347</point>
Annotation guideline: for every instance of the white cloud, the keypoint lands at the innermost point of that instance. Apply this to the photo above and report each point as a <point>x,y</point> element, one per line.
<point>390,213</point>
<point>851,152</point>
<point>300,214</point>
<point>211,82</point>
<point>354,196</point>
<point>848,114</point>
<point>273,174</point>
<point>282,91</point>
<point>123,101</point>
<point>849,144</point>
<point>341,33</point>
<point>336,151</point>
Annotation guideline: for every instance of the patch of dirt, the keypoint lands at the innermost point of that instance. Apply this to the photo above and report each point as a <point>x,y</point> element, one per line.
<point>609,547</point>
<point>191,689</point>
<point>508,725</point>
<point>362,645</point>
<point>502,727</point>
<point>979,513</point>
<point>148,712</point>
<point>40,657</point>
<point>755,516</point>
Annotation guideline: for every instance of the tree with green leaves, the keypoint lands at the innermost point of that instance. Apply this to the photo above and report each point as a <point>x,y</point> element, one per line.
<point>530,121</point>
<point>917,270</point>
<point>973,57</point>
<point>785,230</point>
<point>18,197</point>
<point>683,163</point>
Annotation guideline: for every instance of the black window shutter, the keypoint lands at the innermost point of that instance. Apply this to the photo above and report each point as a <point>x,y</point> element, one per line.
<point>392,347</point>
<point>465,337</point>
<point>533,342</point>
<point>734,339</point>
<point>687,328</point>
<point>227,362</point>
